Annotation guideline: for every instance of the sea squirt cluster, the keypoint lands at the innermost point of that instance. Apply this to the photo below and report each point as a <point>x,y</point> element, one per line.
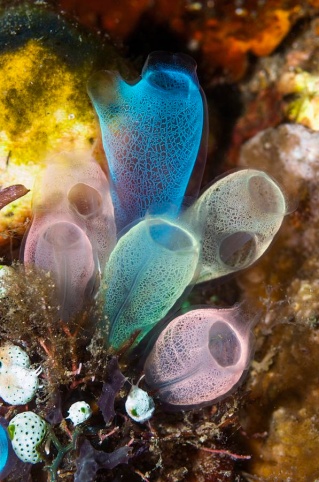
<point>154,134</point>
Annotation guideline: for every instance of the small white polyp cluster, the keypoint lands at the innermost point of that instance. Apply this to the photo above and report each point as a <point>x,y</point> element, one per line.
<point>26,431</point>
<point>79,412</point>
<point>18,382</point>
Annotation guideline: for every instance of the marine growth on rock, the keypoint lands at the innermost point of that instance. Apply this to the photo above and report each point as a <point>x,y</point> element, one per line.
<point>133,246</point>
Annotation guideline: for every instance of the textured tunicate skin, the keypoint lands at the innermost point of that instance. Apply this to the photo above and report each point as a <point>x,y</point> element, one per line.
<point>199,357</point>
<point>73,228</point>
<point>18,385</point>
<point>14,355</point>
<point>152,133</point>
<point>238,217</point>
<point>27,431</point>
<point>18,382</point>
<point>147,272</point>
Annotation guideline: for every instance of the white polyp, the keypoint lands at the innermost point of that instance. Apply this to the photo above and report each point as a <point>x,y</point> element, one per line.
<point>18,382</point>
<point>14,355</point>
<point>4,272</point>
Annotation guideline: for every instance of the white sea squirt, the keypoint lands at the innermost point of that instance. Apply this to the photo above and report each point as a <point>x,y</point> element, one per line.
<point>26,431</point>
<point>139,405</point>
<point>18,382</point>
<point>79,412</point>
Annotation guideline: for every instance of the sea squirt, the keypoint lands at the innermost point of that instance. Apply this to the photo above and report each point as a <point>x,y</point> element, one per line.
<point>152,132</point>
<point>9,462</point>
<point>147,272</point>
<point>18,381</point>
<point>4,450</point>
<point>237,218</point>
<point>200,357</point>
<point>73,228</point>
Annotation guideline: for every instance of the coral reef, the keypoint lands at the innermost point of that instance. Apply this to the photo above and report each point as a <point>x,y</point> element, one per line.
<point>287,336</point>
<point>100,425</point>
<point>224,33</point>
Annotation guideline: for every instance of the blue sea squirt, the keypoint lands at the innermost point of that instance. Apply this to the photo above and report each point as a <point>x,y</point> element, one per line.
<point>5,450</point>
<point>153,132</point>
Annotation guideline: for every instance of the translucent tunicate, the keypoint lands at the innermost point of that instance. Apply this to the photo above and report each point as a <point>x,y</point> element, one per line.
<point>147,272</point>
<point>73,228</point>
<point>153,131</point>
<point>200,357</point>
<point>237,216</point>
<point>65,250</point>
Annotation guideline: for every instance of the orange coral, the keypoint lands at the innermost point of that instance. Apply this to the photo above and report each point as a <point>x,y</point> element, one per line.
<point>223,32</point>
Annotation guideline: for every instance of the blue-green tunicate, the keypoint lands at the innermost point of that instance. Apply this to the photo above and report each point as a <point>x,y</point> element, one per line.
<point>147,272</point>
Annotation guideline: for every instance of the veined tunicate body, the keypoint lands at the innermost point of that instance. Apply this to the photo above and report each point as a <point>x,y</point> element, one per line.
<point>237,218</point>
<point>73,229</point>
<point>199,357</point>
<point>152,133</point>
<point>147,272</point>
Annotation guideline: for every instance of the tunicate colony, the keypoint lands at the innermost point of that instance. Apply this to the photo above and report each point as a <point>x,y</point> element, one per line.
<point>154,136</point>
